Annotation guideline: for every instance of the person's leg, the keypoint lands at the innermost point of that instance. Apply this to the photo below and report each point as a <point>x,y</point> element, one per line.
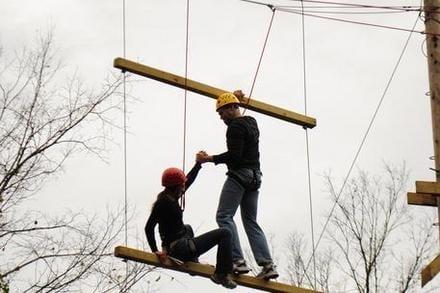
<point>221,237</point>
<point>257,239</point>
<point>230,199</point>
<point>223,269</point>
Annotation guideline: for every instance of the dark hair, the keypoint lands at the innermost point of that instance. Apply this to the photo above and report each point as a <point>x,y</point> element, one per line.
<point>171,190</point>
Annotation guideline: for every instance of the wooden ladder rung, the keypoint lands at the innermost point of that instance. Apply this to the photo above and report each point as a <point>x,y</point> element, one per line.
<point>431,270</point>
<point>428,187</point>
<point>421,199</point>
<point>212,92</point>
<point>204,270</point>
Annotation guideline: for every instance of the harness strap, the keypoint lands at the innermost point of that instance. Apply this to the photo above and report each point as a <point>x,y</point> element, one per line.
<point>190,243</point>
<point>245,186</point>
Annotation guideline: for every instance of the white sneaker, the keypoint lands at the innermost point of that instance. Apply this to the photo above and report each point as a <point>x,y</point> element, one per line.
<point>268,272</point>
<point>239,267</point>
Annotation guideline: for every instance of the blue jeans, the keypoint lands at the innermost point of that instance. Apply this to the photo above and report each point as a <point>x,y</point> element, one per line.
<point>221,237</point>
<point>241,189</point>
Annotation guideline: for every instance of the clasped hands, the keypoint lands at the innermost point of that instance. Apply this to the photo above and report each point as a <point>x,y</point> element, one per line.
<point>203,157</point>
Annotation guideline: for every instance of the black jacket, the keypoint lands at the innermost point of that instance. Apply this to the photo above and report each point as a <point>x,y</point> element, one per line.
<point>167,213</point>
<point>242,139</point>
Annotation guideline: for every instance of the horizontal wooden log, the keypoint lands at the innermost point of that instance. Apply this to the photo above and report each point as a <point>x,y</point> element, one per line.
<point>204,270</point>
<point>421,199</point>
<point>431,270</point>
<point>212,92</point>
<point>428,187</point>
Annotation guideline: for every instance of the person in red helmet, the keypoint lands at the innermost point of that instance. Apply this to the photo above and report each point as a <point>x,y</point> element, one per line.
<point>178,239</point>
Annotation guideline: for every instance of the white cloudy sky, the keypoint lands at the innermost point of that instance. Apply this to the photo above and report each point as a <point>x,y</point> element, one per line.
<point>347,70</point>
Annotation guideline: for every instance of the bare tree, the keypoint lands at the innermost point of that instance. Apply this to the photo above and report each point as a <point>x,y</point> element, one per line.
<point>71,253</point>
<point>420,238</point>
<point>300,273</point>
<point>42,118</point>
<point>373,243</point>
<point>377,244</point>
<point>41,122</point>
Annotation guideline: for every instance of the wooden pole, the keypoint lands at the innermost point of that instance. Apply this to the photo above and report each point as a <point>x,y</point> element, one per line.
<point>427,193</point>
<point>212,92</point>
<point>203,270</point>
<point>432,26</point>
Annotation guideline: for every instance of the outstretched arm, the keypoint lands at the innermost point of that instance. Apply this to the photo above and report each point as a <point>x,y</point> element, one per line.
<point>235,144</point>
<point>192,175</point>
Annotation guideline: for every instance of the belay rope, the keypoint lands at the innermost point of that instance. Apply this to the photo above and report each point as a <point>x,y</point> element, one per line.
<point>182,199</point>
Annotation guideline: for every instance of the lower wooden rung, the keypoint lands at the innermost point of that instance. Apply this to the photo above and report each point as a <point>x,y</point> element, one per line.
<point>204,270</point>
<point>431,270</point>
<point>421,199</point>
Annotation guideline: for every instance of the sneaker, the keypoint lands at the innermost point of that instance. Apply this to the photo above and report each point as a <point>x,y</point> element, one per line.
<point>239,267</point>
<point>224,279</point>
<point>196,260</point>
<point>268,272</point>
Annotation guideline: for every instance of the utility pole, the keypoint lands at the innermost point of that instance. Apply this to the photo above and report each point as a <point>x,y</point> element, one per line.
<point>428,193</point>
<point>432,28</point>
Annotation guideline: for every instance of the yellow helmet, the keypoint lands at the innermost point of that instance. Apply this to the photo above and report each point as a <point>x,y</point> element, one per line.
<point>226,99</point>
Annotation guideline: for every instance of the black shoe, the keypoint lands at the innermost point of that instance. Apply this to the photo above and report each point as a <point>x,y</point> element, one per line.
<point>239,267</point>
<point>224,279</point>
<point>268,272</point>
<point>196,260</point>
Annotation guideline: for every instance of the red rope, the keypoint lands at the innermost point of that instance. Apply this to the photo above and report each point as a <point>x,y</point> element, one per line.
<point>358,22</point>
<point>261,58</point>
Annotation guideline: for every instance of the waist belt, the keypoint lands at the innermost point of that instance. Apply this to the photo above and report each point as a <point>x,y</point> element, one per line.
<point>253,185</point>
<point>189,242</point>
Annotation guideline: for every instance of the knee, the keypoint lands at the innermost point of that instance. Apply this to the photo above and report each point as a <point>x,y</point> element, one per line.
<point>225,233</point>
<point>189,231</point>
<point>248,219</point>
<point>222,217</point>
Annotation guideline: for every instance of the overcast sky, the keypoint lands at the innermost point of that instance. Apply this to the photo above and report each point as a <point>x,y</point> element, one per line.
<point>347,67</point>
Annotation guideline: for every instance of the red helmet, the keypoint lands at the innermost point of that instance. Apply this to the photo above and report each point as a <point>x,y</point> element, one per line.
<point>172,177</point>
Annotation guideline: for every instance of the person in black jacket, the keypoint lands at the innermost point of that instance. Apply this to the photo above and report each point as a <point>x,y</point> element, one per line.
<point>178,239</point>
<point>241,188</point>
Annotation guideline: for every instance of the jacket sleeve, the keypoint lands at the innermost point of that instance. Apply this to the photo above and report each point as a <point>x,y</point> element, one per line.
<point>149,230</point>
<point>192,175</point>
<point>235,142</point>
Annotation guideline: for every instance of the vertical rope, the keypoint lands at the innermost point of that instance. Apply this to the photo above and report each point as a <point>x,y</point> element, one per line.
<point>307,141</point>
<point>261,58</point>
<point>125,140</point>
<point>125,125</point>
<point>182,199</point>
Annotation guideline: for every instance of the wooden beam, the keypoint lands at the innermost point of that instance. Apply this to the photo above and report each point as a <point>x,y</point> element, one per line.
<point>212,92</point>
<point>428,187</point>
<point>421,199</point>
<point>431,270</point>
<point>203,270</point>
